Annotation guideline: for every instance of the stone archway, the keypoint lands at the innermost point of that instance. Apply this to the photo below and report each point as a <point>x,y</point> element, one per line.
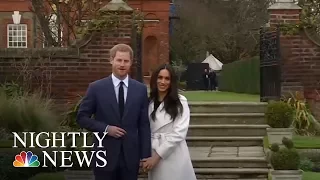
<point>150,54</point>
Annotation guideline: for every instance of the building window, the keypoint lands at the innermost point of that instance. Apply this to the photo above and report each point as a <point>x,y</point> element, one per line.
<point>17,35</point>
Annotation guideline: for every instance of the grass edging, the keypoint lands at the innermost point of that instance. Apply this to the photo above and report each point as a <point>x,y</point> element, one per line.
<point>300,142</point>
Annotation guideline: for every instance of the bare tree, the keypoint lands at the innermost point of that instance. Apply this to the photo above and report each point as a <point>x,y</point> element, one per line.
<point>59,20</point>
<point>186,44</point>
<point>227,29</point>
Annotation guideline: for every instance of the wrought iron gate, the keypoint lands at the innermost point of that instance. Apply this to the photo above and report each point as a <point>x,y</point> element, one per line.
<point>270,64</point>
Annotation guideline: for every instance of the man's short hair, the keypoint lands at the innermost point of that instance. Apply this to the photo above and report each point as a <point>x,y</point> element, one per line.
<point>121,48</point>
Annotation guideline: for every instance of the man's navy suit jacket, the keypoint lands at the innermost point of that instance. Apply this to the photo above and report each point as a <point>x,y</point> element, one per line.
<point>101,101</point>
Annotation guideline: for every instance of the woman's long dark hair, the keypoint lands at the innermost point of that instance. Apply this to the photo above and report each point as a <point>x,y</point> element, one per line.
<point>172,104</point>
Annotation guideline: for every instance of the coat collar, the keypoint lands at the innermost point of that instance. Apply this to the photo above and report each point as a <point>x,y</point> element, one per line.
<point>162,118</point>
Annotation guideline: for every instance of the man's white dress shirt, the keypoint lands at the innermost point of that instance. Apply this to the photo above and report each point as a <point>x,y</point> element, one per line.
<point>116,84</point>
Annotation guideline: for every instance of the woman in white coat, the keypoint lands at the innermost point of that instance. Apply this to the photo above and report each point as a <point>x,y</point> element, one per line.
<point>169,120</point>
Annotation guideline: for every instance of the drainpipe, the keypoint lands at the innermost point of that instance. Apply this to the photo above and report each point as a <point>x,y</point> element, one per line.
<point>34,28</point>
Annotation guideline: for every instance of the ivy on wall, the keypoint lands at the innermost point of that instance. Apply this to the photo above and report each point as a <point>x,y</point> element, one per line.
<point>309,28</point>
<point>309,21</point>
<point>293,28</point>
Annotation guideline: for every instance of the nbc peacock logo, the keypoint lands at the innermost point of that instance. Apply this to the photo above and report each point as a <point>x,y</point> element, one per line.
<point>26,159</point>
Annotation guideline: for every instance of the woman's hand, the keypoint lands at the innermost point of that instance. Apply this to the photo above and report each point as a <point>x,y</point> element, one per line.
<point>149,163</point>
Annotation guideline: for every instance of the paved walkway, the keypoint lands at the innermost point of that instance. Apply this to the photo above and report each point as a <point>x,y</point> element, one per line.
<point>202,152</point>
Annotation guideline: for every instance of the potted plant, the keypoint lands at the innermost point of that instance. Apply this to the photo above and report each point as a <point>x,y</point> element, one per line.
<point>285,161</point>
<point>279,116</point>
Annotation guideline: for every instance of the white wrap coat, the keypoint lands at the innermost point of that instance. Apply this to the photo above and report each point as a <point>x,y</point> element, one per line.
<point>169,141</point>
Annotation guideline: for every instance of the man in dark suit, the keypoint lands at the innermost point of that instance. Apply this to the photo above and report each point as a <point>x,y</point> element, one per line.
<point>205,77</point>
<point>120,108</point>
<point>212,77</point>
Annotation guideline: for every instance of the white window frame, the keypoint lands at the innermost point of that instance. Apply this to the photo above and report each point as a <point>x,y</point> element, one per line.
<point>26,35</point>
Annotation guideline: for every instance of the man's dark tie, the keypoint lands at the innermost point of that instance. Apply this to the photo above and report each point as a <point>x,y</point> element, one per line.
<point>121,99</point>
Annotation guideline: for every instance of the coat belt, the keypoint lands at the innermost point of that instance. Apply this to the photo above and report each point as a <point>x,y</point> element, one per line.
<point>158,139</point>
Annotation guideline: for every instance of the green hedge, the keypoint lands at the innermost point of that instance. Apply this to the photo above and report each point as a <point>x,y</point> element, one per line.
<point>241,76</point>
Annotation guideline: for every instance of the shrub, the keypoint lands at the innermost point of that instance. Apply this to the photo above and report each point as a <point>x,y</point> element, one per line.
<point>242,76</point>
<point>182,85</point>
<point>71,115</point>
<point>4,134</point>
<point>316,167</point>
<point>275,148</point>
<point>279,114</point>
<point>306,164</point>
<point>9,116</point>
<point>12,89</point>
<point>287,143</point>
<point>29,112</point>
<point>286,158</point>
<point>303,121</point>
<point>8,172</point>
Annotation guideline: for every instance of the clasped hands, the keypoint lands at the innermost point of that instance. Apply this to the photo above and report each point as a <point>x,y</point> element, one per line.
<point>148,163</point>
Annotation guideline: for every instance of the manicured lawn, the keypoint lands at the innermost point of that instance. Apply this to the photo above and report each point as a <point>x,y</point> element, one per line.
<point>305,142</point>
<point>302,142</point>
<point>306,176</point>
<point>311,176</point>
<point>220,96</point>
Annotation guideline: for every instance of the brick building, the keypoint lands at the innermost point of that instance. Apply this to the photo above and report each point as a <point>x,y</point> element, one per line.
<point>155,43</point>
<point>16,35</point>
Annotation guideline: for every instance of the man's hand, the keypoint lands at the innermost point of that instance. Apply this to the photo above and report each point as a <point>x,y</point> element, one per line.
<point>116,132</point>
<point>151,162</point>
